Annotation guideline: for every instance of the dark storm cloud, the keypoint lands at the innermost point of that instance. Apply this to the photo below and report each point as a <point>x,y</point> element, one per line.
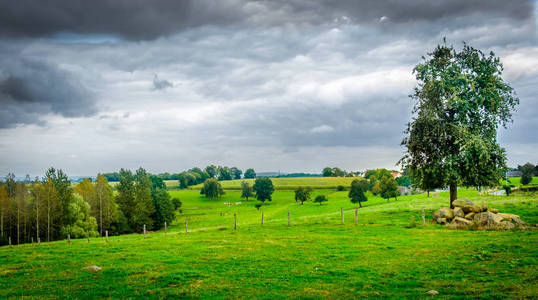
<point>31,88</point>
<point>140,19</point>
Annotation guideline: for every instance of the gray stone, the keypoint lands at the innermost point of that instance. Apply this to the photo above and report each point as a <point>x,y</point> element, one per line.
<point>446,213</point>
<point>469,216</point>
<point>458,212</point>
<point>467,205</point>
<point>432,292</point>
<point>93,269</point>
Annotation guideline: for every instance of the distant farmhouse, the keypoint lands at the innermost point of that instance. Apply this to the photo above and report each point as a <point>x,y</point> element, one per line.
<point>513,174</point>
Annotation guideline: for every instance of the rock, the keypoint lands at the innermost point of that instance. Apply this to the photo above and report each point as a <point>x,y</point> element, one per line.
<point>460,223</point>
<point>93,269</point>
<point>458,212</point>
<point>512,218</point>
<point>493,210</point>
<point>469,216</point>
<point>487,219</point>
<point>432,292</point>
<point>445,213</point>
<point>506,225</point>
<point>441,220</point>
<point>467,205</point>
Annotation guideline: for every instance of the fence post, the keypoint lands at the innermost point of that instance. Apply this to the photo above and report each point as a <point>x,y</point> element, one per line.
<point>106,235</point>
<point>144,230</point>
<point>165,228</point>
<point>69,239</point>
<point>186,226</point>
<point>356,212</point>
<point>262,217</point>
<point>342,213</point>
<point>235,221</point>
<point>288,218</point>
<point>423,218</point>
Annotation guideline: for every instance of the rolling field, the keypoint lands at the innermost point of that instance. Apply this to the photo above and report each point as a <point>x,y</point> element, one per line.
<point>316,257</point>
<point>289,183</point>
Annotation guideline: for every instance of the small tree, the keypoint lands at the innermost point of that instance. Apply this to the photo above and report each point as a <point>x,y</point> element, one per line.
<point>212,189</point>
<point>356,193</point>
<point>320,199</point>
<point>264,189</point>
<point>302,194</point>
<point>526,173</point>
<point>247,190</point>
<point>388,188</point>
<point>250,174</point>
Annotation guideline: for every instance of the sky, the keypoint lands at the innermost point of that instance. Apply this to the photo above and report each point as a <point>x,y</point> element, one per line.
<point>283,85</point>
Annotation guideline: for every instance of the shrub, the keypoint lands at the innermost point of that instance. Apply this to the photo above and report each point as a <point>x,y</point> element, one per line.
<point>340,188</point>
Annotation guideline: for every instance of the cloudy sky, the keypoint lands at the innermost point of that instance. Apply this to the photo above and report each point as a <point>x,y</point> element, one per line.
<point>289,85</point>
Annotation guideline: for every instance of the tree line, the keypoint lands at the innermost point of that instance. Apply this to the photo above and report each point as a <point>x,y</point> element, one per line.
<point>52,208</point>
<point>196,175</point>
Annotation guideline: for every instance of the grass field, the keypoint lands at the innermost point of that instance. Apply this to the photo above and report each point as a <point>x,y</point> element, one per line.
<point>290,183</point>
<point>315,257</point>
<point>516,181</point>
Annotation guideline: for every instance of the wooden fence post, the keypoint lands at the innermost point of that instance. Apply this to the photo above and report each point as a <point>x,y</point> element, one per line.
<point>356,212</point>
<point>262,217</point>
<point>288,218</point>
<point>69,239</point>
<point>342,213</point>
<point>235,221</point>
<point>165,228</point>
<point>144,230</point>
<point>186,226</point>
<point>423,218</point>
<point>106,235</point>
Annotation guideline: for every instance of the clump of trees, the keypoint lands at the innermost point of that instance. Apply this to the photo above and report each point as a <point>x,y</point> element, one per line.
<point>357,190</point>
<point>246,190</point>
<point>460,102</point>
<point>212,189</point>
<point>336,172</point>
<point>527,171</point>
<point>263,187</point>
<point>302,194</point>
<point>52,208</point>
<point>320,199</point>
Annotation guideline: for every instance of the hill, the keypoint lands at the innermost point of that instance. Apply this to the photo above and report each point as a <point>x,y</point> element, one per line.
<point>385,255</point>
<point>290,183</point>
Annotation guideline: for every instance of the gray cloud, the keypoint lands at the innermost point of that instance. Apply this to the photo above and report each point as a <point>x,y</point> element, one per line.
<point>160,84</point>
<point>30,89</point>
<point>140,19</point>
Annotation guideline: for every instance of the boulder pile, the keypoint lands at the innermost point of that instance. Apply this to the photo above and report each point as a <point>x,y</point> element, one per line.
<point>467,215</point>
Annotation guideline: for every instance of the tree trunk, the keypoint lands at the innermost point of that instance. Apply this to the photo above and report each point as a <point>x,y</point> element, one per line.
<point>101,213</point>
<point>360,205</point>
<point>428,193</point>
<point>37,217</point>
<point>453,193</point>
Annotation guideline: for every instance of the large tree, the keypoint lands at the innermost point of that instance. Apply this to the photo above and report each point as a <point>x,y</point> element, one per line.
<point>356,192</point>
<point>246,190</point>
<point>302,194</point>
<point>460,101</point>
<point>212,189</point>
<point>250,173</point>
<point>526,173</point>
<point>264,189</point>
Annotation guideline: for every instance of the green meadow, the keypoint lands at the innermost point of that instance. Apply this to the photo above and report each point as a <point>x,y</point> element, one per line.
<point>387,254</point>
<point>290,183</point>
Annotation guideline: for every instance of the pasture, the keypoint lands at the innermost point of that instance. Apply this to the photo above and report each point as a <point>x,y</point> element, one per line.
<point>386,255</point>
<point>290,183</point>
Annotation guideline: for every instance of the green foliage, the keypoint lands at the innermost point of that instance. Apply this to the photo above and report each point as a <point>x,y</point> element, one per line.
<point>388,188</point>
<point>340,188</point>
<point>224,173</point>
<point>212,189</point>
<point>302,194</point>
<point>526,173</point>
<point>79,211</point>
<point>250,174</point>
<point>334,172</point>
<point>264,189</point>
<point>320,199</point>
<point>507,190</point>
<point>177,203</point>
<point>212,171</point>
<point>356,192</point>
<point>236,173</point>
<point>143,201</point>
<point>246,190</point>
<point>461,100</point>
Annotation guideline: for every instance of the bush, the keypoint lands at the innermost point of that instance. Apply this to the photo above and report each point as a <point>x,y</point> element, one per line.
<point>320,199</point>
<point>340,188</point>
<point>507,189</point>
